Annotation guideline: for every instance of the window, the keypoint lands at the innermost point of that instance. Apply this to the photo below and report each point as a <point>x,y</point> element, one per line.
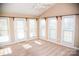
<point>68,28</point>
<point>32,28</point>
<point>42,28</point>
<point>4,29</point>
<point>52,28</point>
<point>19,24</point>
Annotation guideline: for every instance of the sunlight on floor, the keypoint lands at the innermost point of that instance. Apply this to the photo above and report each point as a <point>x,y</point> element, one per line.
<point>37,42</point>
<point>5,51</point>
<point>27,46</point>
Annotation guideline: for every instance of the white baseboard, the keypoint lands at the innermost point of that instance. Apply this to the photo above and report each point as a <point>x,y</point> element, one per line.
<point>65,45</point>
<point>3,45</point>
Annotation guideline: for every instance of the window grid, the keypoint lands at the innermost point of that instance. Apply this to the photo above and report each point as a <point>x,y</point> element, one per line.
<point>52,28</point>
<point>68,29</point>
<point>4,30</point>
<point>19,24</point>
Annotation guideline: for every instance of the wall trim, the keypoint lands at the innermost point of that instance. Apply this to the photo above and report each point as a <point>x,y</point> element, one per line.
<point>63,45</point>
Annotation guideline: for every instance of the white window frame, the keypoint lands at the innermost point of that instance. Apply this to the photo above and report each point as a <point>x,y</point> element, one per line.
<point>62,33</point>
<point>25,32</point>
<point>8,23</point>
<point>52,40</point>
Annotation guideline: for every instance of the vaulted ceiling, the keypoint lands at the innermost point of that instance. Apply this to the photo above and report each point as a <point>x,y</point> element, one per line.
<point>27,9</point>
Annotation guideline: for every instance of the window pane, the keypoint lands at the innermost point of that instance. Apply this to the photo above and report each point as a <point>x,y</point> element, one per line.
<point>52,34</point>
<point>42,28</point>
<point>3,24</point>
<point>20,35</point>
<point>4,35</point>
<point>68,28</point>
<point>68,23</point>
<point>52,28</point>
<point>68,36</point>
<point>20,28</point>
<point>32,27</point>
<point>20,24</point>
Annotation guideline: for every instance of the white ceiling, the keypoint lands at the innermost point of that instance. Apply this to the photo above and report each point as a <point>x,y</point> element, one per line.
<point>32,9</point>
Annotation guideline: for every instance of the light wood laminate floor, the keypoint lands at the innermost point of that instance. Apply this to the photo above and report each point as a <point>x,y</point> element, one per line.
<point>37,48</point>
